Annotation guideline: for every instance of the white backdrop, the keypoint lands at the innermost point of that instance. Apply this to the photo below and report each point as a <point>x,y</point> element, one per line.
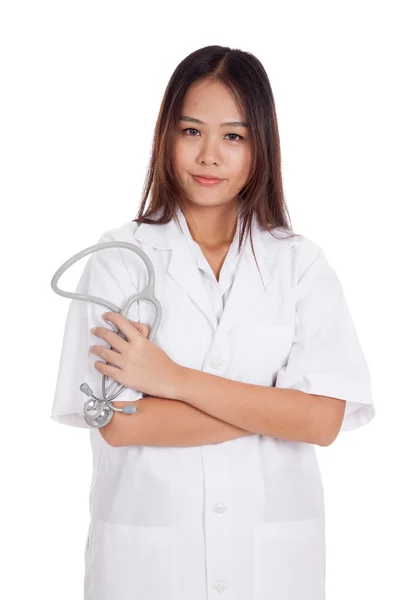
<point>81,84</point>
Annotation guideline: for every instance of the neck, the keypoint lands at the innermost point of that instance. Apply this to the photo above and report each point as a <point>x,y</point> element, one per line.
<point>213,227</point>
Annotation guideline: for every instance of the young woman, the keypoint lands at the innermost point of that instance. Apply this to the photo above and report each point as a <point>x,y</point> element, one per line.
<point>213,489</point>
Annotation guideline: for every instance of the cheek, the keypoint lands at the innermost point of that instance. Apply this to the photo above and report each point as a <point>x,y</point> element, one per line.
<point>181,157</point>
<point>241,168</point>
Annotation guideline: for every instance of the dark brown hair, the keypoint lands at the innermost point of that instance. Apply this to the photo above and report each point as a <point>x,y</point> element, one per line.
<point>247,79</point>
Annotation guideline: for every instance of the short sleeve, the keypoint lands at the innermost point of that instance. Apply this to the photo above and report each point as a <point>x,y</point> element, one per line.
<point>105,275</point>
<point>326,358</point>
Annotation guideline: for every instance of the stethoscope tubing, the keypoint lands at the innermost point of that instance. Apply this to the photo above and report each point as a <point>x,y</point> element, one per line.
<point>95,407</point>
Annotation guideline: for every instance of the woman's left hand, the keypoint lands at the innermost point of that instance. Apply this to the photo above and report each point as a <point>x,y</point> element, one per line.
<point>140,364</point>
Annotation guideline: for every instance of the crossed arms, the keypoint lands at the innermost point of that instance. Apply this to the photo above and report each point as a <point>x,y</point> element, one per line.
<point>209,409</point>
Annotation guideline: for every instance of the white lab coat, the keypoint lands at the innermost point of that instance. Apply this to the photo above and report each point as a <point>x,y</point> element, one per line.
<point>242,519</point>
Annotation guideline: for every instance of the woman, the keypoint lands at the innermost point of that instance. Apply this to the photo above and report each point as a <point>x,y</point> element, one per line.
<point>213,485</point>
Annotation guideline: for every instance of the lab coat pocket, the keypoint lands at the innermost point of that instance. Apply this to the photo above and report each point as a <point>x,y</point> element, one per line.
<point>262,350</point>
<point>134,562</point>
<point>289,560</point>
<point>275,338</point>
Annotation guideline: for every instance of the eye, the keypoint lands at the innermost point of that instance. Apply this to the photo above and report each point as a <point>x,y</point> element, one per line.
<point>235,134</point>
<point>189,129</point>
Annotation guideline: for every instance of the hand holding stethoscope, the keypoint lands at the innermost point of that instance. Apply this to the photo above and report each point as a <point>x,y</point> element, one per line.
<point>136,359</point>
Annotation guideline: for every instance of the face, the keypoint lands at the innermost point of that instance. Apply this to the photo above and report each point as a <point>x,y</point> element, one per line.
<point>205,145</point>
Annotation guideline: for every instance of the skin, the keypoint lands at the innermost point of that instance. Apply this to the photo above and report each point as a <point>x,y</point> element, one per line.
<point>210,148</point>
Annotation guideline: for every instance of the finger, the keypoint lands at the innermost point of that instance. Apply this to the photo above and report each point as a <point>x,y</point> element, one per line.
<point>123,324</point>
<point>136,324</point>
<point>109,355</point>
<point>145,329</point>
<point>113,338</point>
<point>141,327</point>
<point>110,371</point>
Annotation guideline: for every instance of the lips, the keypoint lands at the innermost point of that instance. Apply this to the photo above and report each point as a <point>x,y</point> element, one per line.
<point>209,177</point>
<point>206,180</point>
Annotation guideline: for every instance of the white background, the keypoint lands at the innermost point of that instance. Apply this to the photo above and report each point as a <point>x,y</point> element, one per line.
<point>81,85</point>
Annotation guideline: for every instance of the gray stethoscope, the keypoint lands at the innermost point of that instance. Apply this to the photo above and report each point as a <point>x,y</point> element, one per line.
<point>98,412</point>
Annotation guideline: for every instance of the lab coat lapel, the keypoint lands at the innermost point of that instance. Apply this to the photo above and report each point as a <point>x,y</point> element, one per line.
<point>182,267</point>
<point>184,270</point>
<point>251,284</point>
<point>248,285</point>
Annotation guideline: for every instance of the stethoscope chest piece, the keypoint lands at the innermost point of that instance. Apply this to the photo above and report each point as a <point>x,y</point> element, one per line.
<point>97,413</point>
<point>93,408</point>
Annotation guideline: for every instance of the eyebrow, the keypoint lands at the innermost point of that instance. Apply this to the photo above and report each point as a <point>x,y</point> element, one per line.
<point>230,123</point>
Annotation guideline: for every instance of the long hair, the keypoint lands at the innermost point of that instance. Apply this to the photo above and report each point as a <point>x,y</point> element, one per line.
<point>247,79</point>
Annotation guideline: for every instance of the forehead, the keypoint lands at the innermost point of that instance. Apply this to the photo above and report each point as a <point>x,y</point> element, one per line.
<point>211,101</point>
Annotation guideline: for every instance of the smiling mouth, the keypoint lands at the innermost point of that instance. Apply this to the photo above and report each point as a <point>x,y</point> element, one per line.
<point>206,180</point>
<point>208,177</point>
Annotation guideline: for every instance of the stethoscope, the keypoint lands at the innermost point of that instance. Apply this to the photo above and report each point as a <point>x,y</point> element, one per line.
<point>98,412</point>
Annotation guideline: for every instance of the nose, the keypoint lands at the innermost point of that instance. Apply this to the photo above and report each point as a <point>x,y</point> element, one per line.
<point>209,151</point>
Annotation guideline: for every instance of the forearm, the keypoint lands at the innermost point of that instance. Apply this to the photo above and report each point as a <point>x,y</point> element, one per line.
<point>287,414</point>
<point>163,422</point>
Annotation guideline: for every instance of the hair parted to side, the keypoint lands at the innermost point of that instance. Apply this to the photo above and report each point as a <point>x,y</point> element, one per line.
<point>247,79</point>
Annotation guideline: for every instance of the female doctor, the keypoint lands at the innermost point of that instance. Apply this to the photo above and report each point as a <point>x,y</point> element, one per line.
<point>213,489</point>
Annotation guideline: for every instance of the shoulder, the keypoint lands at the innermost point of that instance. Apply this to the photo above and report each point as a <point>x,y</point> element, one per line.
<point>125,232</point>
<point>299,250</point>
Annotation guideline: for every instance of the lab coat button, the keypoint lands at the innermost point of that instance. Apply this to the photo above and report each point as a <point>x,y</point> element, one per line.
<point>219,508</point>
<point>220,586</point>
<point>214,364</point>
